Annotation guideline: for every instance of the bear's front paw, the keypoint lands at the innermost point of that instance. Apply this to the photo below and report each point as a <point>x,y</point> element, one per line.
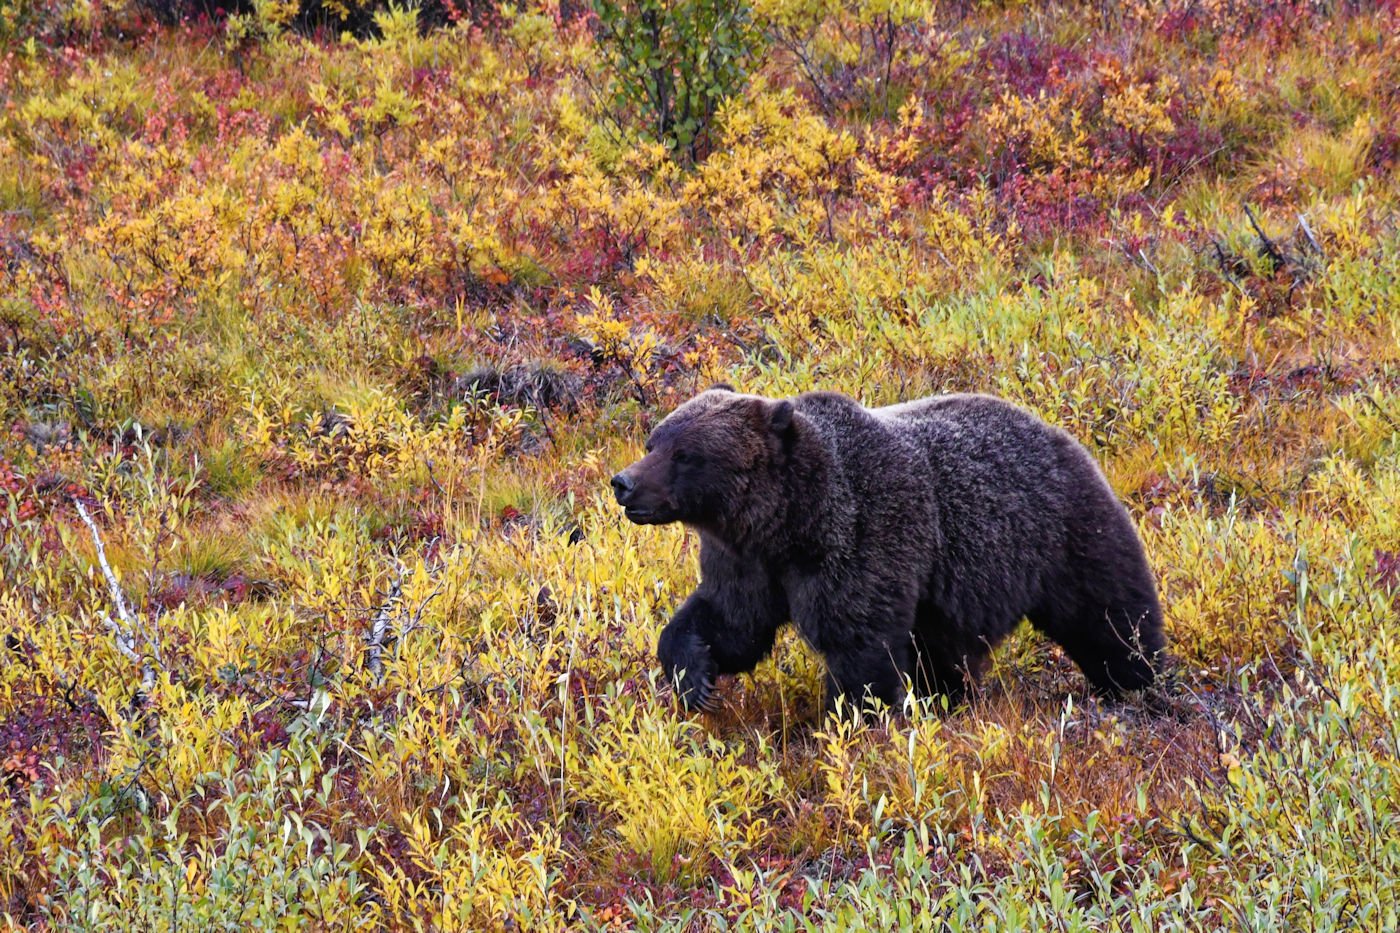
<point>690,668</point>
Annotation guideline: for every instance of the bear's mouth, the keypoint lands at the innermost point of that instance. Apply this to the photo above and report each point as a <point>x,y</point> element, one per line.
<point>642,516</point>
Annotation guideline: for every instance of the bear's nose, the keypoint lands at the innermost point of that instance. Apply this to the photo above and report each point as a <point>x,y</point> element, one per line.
<point>623,485</point>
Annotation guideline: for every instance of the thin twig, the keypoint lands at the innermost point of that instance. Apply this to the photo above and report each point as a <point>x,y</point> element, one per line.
<point>432,476</point>
<point>1224,263</point>
<point>417,618</point>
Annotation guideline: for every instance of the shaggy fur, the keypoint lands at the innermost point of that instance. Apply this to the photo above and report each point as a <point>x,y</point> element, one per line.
<point>906,540</point>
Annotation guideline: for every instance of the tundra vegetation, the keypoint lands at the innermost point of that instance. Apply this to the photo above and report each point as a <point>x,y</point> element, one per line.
<point>325,324</point>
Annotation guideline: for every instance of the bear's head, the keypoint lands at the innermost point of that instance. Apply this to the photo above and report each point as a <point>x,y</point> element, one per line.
<point>710,462</point>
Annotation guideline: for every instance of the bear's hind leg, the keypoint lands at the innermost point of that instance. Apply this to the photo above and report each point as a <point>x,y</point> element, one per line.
<point>1101,603</point>
<point>939,671</point>
<point>1116,646</point>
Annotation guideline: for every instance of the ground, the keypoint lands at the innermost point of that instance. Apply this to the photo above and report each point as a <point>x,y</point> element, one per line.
<point>336,340</point>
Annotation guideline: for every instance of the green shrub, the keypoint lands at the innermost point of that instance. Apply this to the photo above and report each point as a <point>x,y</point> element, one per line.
<point>675,61</point>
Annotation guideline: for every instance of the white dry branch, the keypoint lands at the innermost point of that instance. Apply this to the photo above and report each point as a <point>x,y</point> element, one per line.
<point>125,631</point>
<point>379,629</point>
<point>1308,232</point>
<point>393,613</point>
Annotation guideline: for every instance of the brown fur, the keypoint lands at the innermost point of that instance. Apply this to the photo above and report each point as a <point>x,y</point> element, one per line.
<point>901,541</point>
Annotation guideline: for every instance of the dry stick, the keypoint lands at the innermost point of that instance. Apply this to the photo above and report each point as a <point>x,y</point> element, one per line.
<point>124,633</point>
<point>1224,262</point>
<point>379,629</point>
<point>1319,257</point>
<point>1307,232</point>
<point>1141,259</point>
<point>118,597</point>
<point>1279,260</point>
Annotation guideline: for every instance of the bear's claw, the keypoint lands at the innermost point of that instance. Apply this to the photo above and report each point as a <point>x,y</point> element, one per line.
<point>689,666</point>
<point>707,699</point>
<point>696,694</point>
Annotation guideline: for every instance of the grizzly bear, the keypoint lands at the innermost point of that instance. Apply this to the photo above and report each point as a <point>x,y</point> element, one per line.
<point>902,542</point>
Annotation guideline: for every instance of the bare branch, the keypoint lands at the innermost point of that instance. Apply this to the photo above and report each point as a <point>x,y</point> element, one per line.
<point>1275,255</point>
<point>126,644</point>
<point>118,597</point>
<point>124,632</point>
<point>1307,232</point>
<point>1224,261</point>
<point>379,629</point>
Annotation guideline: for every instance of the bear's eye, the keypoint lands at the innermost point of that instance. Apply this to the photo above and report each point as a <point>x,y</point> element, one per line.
<point>686,456</point>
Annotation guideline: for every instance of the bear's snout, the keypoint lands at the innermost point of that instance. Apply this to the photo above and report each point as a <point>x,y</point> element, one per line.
<point>641,496</point>
<point>623,485</point>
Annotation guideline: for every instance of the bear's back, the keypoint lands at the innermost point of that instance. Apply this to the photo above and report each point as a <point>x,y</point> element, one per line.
<point>958,407</point>
<point>989,462</point>
<point>1007,485</point>
<point>949,430</point>
<point>963,426</point>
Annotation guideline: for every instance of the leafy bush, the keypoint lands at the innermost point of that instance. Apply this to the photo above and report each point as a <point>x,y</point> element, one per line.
<point>675,62</point>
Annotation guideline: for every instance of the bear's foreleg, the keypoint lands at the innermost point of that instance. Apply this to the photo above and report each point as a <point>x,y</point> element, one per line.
<point>684,652</point>
<point>703,641</point>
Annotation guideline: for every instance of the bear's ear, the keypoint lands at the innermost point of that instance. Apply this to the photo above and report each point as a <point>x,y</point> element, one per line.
<point>720,387</point>
<point>780,416</point>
